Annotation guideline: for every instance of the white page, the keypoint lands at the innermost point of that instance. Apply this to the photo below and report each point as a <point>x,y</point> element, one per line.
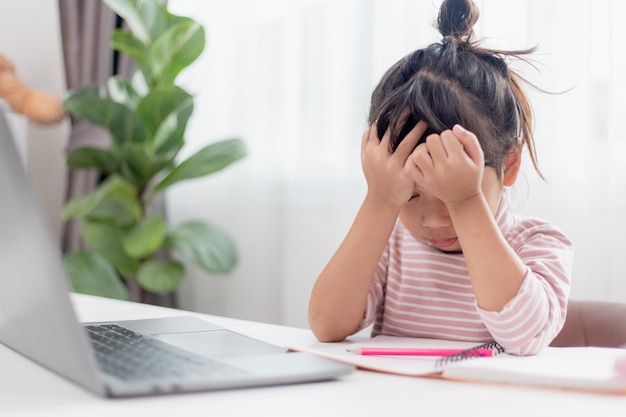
<point>586,368</point>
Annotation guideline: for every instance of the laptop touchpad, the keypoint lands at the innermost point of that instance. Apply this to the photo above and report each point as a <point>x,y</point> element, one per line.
<point>219,344</point>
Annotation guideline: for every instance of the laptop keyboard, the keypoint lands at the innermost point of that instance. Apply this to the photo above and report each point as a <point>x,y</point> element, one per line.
<point>129,355</point>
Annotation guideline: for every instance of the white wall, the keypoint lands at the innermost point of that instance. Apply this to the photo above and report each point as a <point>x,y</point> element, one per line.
<point>31,39</point>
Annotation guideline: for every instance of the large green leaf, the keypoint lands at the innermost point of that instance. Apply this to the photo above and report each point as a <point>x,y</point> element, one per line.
<point>90,273</point>
<point>119,210</point>
<point>170,134</point>
<point>161,276</point>
<point>173,20</point>
<point>116,203</point>
<point>145,238</point>
<point>92,158</point>
<point>121,91</point>
<point>79,206</point>
<point>175,50</point>
<point>107,241</point>
<point>137,163</point>
<point>207,160</point>
<point>204,244</point>
<point>128,43</point>
<point>114,186</point>
<point>146,18</point>
<point>139,83</point>
<point>122,122</point>
<point>165,113</point>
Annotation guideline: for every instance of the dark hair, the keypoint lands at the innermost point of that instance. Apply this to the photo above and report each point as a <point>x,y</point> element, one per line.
<point>457,81</point>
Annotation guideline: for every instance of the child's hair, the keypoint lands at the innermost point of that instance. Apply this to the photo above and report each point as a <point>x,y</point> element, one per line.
<point>457,81</point>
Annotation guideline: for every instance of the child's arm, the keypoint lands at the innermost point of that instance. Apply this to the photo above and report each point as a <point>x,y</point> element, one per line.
<point>339,295</point>
<point>496,272</point>
<point>451,167</point>
<point>531,320</point>
<point>521,292</point>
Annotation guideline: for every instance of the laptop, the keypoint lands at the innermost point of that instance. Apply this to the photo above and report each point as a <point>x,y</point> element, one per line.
<point>37,320</point>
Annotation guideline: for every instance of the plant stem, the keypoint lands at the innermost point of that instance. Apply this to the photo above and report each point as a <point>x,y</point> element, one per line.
<point>135,290</point>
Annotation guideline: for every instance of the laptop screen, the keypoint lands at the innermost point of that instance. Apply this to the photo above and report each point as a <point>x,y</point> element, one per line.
<point>36,315</point>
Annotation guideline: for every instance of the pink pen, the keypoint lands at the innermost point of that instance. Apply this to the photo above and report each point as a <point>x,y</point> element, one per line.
<point>374,351</point>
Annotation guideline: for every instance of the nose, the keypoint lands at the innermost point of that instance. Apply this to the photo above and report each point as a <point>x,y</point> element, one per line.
<point>435,213</point>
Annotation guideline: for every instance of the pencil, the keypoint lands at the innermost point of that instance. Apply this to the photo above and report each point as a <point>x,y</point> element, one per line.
<point>374,351</point>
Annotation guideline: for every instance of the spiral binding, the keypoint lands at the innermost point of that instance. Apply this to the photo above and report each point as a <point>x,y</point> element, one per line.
<point>470,353</point>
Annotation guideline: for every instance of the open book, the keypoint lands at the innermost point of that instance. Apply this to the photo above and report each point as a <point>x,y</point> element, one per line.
<point>580,368</point>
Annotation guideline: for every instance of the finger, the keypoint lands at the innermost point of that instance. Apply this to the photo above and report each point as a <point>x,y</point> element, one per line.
<point>369,136</point>
<point>410,140</point>
<point>384,141</point>
<point>413,171</point>
<point>470,143</point>
<point>451,144</point>
<point>435,146</point>
<point>421,158</point>
<point>373,132</point>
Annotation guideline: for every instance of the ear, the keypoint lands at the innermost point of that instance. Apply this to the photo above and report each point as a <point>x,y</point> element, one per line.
<point>512,165</point>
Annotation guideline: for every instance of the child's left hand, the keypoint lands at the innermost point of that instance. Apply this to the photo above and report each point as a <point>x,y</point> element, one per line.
<point>449,166</point>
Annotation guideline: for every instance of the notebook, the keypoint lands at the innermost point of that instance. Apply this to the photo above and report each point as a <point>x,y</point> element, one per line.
<point>400,365</point>
<point>591,369</point>
<point>585,369</point>
<point>38,321</point>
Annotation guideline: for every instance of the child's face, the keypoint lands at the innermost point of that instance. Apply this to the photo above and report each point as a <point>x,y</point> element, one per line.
<point>427,218</point>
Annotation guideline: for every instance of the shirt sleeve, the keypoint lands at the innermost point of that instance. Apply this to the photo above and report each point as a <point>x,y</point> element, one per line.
<point>534,317</point>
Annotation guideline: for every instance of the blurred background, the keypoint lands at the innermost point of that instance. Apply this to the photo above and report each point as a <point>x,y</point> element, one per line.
<point>292,78</point>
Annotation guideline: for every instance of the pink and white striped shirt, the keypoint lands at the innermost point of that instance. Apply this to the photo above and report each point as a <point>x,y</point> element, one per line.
<point>419,291</point>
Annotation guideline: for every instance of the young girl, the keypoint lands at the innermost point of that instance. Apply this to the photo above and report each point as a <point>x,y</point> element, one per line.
<point>434,250</point>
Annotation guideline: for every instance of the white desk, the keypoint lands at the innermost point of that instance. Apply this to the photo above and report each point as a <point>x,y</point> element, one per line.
<point>26,389</point>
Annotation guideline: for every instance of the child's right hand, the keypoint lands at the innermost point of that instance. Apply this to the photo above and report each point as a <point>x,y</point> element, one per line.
<point>387,180</point>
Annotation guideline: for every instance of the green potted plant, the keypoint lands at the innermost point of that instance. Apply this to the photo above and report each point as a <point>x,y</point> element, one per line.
<point>146,118</point>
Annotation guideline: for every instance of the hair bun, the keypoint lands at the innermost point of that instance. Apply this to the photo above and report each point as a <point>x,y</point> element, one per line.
<point>457,18</point>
